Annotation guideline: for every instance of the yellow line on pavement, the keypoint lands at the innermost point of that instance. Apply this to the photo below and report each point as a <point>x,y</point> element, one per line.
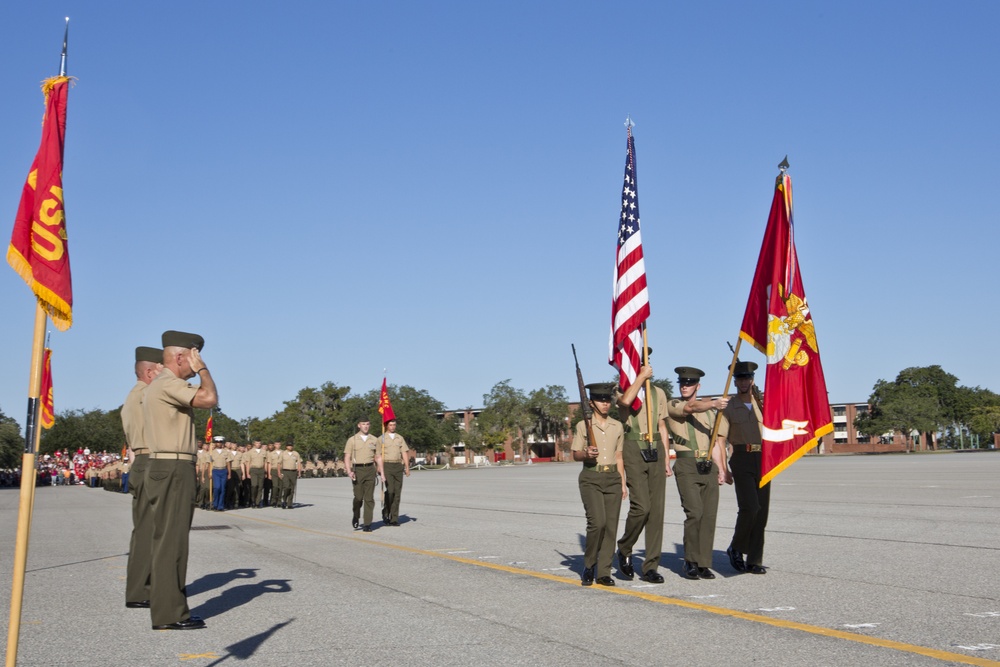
<point>661,599</point>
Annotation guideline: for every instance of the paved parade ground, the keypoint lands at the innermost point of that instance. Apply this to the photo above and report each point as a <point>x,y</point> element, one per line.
<point>873,560</point>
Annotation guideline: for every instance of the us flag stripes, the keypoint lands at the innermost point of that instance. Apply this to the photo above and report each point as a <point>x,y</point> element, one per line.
<point>630,304</point>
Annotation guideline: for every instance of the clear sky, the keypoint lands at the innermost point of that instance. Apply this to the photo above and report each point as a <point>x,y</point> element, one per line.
<point>327,189</point>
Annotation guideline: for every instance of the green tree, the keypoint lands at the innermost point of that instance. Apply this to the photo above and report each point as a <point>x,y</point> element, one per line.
<point>505,416</point>
<point>11,442</point>
<point>899,407</point>
<point>417,418</point>
<point>547,413</point>
<point>84,429</point>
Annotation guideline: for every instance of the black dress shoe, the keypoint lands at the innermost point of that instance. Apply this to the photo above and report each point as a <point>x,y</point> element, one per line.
<point>141,604</point>
<point>588,576</point>
<point>367,529</point>
<point>756,569</point>
<point>394,523</point>
<point>653,577</point>
<point>690,570</point>
<point>705,573</point>
<point>736,559</point>
<point>193,623</point>
<point>625,565</point>
<point>604,581</point>
<point>355,524</point>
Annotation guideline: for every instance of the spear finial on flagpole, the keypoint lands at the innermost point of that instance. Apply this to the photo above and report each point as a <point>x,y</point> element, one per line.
<point>783,165</point>
<point>62,60</point>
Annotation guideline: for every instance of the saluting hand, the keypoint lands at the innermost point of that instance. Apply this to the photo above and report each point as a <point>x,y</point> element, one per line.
<point>196,362</point>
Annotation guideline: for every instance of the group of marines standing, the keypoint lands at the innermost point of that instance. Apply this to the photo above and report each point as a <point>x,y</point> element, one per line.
<point>628,459</point>
<point>231,476</point>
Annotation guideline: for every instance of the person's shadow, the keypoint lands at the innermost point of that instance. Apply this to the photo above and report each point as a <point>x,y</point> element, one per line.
<point>240,595</point>
<point>245,649</point>
<point>218,580</point>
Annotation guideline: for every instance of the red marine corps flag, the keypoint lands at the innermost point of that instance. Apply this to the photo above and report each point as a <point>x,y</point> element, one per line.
<point>778,323</point>
<point>47,418</point>
<point>630,298</point>
<point>384,406</point>
<point>38,247</point>
<point>208,428</point>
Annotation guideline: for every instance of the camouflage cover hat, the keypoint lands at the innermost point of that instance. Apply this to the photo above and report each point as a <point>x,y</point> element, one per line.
<point>153,354</point>
<point>182,339</point>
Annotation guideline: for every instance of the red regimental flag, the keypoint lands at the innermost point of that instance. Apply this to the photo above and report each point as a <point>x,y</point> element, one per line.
<point>38,248</point>
<point>208,429</point>
<point>384,406</point>
<point>48,415</point>
<point>778,323</point>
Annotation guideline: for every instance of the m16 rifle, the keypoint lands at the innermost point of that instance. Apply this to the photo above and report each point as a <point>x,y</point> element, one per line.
<point>588,412</point>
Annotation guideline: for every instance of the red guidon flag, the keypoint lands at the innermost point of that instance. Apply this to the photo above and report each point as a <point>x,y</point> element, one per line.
<point>778,323</point>
<point>208,429</point>
<point>38,249</point>
<point>48,416</point>
<point>384,406</point>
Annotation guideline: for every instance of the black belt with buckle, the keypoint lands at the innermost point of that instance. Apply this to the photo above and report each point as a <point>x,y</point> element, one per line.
<point>363,465</point>
<point>746,448</point>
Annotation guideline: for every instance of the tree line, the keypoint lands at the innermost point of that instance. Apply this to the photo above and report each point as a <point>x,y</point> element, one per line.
<point>319,420</point>
<point>929,401</point>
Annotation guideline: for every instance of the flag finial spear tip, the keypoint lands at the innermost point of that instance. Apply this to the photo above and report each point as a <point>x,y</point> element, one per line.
<point>783,165</point>
<point>628,121</point>
<point>62,60</point>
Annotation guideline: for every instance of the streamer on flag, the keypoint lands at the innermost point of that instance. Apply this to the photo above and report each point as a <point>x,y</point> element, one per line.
<point>47,417</point>
<point>630,300</point>
<point>38,250</point>
<point>778,322</point>
<point>384,406</point>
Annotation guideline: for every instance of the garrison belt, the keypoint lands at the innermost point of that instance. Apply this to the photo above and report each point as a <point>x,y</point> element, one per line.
<point>363,465</point>
<point>746,448</point>
<point>641,437</point>
<point>602,467</point>
<point>173,455</point>
<point>690,454</point>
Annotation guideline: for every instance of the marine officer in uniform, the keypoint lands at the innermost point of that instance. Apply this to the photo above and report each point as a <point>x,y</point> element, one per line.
<point>274,472</point>
<point>646,470</point>
<point>691,420</point>
<point>256,457</point>
<point>289,473</point>
<point>396,463</point>
<point>148,363</point>
<point>221,472</point>
<point>363,463</point>
<point>602,483</point>
<point>742,424</point>
<point>168,428</point>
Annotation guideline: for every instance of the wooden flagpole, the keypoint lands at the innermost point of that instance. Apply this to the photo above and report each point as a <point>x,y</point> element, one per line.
<point>27,500</point>
<point>649,390</point>
<point>725,392</point>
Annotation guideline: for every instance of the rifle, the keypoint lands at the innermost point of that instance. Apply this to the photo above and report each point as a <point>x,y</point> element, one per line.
<point>588,413</point>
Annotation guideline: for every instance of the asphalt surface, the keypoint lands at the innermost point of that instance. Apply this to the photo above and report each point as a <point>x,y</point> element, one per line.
<point>872,560</point>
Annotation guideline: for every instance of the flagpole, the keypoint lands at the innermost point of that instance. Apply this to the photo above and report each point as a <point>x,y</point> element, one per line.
<point>649,390</point>
<point>27,498</point>
<point>725,392</point>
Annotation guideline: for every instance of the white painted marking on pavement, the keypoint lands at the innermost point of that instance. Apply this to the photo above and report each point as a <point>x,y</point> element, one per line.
<point>856,626</point>
<point>776,609</point>
<point>986,614</point>
<point>977,647</point>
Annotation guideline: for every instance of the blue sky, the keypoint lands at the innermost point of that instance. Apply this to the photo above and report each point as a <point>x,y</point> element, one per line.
<point>327,189</point>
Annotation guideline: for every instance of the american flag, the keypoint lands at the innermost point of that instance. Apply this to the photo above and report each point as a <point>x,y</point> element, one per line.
<point>630,304</point>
